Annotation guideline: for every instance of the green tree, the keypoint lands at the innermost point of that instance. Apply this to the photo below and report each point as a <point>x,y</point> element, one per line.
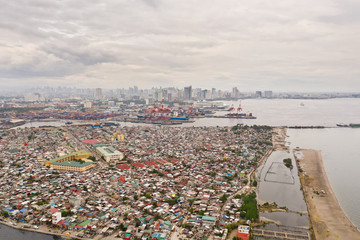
<point>223,198</point>
<point>255,183</point>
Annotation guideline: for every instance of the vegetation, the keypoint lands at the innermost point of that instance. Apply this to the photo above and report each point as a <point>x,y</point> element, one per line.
<point>288,163</point>
<point>254,183</point>
<point>223,198</point>
<point>4,214</point>
<point>233,225</point>
<point>66,213</point>
<point>250,206</point>
<point>172,202</point>
<point>42,202</point>
<point>79,161</point>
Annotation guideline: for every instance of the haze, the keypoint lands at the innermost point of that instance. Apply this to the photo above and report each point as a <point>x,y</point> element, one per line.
<point>281,45</point>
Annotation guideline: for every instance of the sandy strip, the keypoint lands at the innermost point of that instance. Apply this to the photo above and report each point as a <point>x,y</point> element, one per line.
<point>327,217</point>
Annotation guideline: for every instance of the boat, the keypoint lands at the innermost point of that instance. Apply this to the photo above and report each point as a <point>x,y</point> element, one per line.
<point>185,118</point>
<point>354,125</point>
<point>68,123</point>
<point>342,125</point>
<point>240,115</point>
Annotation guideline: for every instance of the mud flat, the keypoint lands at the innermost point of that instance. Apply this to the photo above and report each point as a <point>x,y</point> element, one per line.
<point>327,218</point>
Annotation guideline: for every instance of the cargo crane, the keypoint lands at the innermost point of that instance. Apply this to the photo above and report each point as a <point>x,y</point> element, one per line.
<point>231,108</point>
<point>239,109</point>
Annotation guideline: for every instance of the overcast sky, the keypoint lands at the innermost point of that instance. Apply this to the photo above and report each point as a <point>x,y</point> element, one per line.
<point>306,45</point>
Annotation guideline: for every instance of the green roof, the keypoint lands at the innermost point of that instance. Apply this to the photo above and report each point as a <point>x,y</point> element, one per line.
<point>72,164</point>
<point>13,150</point>
<point>207,218</point>
<point>82,152</point>
<point>84,223</point>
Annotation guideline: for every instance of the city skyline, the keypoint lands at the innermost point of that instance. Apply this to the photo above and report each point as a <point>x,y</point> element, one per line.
<point>250,45</point>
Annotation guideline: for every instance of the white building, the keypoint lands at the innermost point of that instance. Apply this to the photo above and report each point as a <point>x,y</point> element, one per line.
<point>109,153</point>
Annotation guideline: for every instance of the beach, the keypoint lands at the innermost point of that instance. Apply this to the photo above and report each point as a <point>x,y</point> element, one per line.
<point>327,217</point>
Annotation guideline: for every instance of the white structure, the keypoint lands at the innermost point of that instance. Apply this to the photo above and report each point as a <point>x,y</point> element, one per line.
<point>109,153</point>
<point>87,105</point>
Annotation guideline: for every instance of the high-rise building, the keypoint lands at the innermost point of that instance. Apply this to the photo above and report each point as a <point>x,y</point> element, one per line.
<point>187,93</point>
<point>98,93</point>
<point>268,94</point>
<point>203,94</point>
<point>235,92</point>
<point>213,93</point>
<point>258,94</point>
<point>159,95</point>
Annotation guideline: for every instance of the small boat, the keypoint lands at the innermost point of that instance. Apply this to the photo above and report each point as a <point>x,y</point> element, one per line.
<point>68,123</point>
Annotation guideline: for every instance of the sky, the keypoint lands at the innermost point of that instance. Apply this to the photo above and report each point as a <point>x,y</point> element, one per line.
<point>281,45</point>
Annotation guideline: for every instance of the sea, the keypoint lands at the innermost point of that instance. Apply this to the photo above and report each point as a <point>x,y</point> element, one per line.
<point>339,146</point>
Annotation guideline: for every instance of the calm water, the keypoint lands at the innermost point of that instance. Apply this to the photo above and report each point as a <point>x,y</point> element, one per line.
<point>274,112</point>
<point>340,151</point>
<point>9,233</point>
<point>281,185</point>
<point>291,112</point>
<point>288,218</point>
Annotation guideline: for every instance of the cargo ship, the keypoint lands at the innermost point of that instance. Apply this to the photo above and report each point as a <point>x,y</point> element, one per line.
<point>352,125</point>
<point>240,115</point>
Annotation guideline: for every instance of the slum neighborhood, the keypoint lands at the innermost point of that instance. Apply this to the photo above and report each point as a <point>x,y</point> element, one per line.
<point>128,182</point>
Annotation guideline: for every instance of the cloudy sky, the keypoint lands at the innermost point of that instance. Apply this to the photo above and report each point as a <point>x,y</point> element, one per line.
<point>281,45</point>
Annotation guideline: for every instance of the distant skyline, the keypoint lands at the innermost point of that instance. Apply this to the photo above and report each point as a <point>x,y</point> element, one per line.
<point>282,45</point>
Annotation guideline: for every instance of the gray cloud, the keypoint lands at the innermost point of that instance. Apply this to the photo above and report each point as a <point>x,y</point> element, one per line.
<point>284,44</point>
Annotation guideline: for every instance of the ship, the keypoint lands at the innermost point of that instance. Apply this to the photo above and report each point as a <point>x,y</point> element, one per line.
<point>240,115</point>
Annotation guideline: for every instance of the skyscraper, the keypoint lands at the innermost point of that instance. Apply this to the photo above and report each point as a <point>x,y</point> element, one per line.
<point>98,93</point>
<point>187,93</point>
<point>235,92</point>
<point>268,94</point>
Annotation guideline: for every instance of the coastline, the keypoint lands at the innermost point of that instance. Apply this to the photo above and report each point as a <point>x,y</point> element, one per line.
<point>41,230</point>
<point>327,217</point>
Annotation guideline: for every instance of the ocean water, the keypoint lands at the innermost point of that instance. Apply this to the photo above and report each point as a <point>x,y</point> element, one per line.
<point>340,150</point>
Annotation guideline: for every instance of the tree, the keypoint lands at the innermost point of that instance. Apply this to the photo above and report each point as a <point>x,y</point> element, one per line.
<point>288,163</point>
<point>223,198</point>
<point>122,227</point>
<point>137,222</point>
<point>5,214</point>
<point>157,217</point>
<point>255,183</point>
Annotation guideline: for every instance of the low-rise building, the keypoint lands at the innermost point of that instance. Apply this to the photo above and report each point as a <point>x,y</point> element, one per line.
<point>76,161</point>
<point>109,153</point>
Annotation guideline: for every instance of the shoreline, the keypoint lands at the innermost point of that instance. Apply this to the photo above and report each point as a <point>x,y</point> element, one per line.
<point>327,217</point>
<point>40,231</point>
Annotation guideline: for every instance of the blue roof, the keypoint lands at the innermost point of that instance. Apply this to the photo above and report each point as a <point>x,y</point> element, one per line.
<point>23,210</point>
